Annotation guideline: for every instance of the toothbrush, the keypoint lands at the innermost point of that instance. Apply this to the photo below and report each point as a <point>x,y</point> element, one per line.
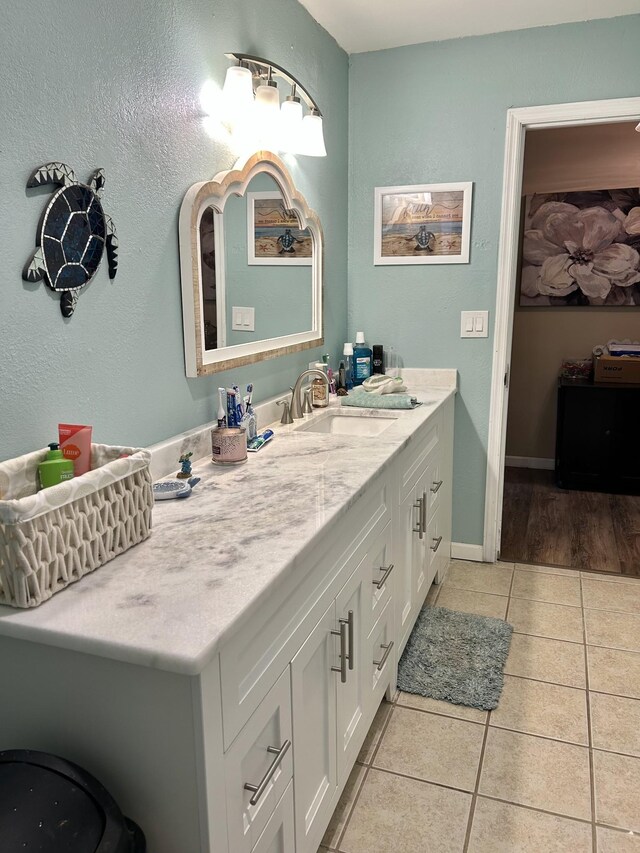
<point>222,420</point>
<point>239,410</point>
<point>231,407</point>
<point>250,393</point>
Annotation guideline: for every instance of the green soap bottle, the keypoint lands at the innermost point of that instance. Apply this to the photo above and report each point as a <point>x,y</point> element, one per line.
<point>55,468</point>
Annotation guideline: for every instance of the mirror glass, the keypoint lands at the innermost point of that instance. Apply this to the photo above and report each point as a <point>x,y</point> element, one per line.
<point>251,260</point>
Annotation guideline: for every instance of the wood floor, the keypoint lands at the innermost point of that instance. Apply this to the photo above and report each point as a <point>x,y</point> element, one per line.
<point>558,527</point>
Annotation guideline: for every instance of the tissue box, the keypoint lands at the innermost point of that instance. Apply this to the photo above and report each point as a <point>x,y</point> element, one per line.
<point>51,538</point>
<point>624,370</point>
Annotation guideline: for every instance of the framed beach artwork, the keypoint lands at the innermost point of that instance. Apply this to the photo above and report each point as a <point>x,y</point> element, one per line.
<point>424,224</point>
<point>274,235</point>
<point>581,249</point>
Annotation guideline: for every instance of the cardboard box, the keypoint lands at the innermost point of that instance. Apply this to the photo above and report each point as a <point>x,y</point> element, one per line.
<point>623,370</point>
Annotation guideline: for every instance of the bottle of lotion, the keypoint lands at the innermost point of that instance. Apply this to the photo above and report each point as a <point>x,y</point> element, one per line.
<point>54,468</point>
<point>362,358</point>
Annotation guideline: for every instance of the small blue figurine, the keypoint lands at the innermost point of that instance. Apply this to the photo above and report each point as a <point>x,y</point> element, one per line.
<point>423,240</point>
<point>185,471</point>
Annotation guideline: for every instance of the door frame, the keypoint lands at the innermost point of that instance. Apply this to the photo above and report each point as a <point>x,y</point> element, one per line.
<point>518,122</point>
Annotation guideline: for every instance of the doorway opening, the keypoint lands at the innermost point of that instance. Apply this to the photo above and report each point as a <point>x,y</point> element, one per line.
<point>556,156</point>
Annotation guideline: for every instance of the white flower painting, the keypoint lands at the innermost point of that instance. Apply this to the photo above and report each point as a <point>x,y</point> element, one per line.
<point>581,248</point>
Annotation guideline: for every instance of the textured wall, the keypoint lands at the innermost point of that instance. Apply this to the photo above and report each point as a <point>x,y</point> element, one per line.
<point>436,113</point>
<point>116,85</point>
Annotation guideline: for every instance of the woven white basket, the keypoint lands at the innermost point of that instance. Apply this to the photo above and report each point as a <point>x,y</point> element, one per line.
<point>51,538</point>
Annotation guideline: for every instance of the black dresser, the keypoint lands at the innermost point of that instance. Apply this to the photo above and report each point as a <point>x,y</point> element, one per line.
<point>598,437</point>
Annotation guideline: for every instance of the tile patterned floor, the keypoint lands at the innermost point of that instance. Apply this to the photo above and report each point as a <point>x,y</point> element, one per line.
<point>554,769</point>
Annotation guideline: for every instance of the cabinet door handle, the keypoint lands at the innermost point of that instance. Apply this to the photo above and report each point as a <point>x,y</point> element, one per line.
<point>424,512</point>
<point>351,657</point>
<point>342,633</point>
<point>387,651</point>
<point>437,540</point>
<point>436,485</point>
<point>387,571</point>
<point>259,789</point>
<point>419,529</point>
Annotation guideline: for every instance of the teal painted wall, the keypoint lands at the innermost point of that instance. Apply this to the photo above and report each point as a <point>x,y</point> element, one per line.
<point>116,85</point>
<point>433,113</point>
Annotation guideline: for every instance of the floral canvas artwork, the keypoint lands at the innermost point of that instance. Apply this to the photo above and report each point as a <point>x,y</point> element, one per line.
<point>581,248</point>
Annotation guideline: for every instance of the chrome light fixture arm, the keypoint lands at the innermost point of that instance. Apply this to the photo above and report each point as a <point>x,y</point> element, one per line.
<point>260,67</point>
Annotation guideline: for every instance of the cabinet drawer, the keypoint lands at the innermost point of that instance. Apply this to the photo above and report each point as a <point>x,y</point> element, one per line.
<point>251,660</point>
<point>415,457</point>
<point>381,574</point>
<point>278,834</point>
<point>382,661</point>
<point>261,756</point>
<point>438,547</point>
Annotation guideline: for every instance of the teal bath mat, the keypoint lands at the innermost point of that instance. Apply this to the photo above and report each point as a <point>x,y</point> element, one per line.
<point>458,657</point>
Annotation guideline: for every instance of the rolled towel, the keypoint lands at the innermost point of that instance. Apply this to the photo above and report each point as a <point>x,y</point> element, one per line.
<point>364,400</point>
<point>381,384</point>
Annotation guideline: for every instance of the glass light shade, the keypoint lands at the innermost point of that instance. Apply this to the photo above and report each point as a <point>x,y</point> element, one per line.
<point>237,93</point>
<point>290,125</point>
<point>267,116</point>
<point>312,136</point>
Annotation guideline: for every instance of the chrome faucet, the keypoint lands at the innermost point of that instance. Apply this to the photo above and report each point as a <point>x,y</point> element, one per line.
<point>296,404</point>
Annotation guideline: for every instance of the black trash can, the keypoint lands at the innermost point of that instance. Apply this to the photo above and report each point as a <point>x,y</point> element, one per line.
<point>49,805</point>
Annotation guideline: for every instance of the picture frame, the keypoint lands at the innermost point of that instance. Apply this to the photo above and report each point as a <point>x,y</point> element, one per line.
<point>274,235</point>
<point>422,224</point>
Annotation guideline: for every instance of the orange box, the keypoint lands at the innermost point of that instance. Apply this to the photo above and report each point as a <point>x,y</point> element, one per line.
<point>624,370</point>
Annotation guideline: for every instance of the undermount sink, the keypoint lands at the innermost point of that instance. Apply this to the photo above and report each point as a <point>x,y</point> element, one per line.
<point>343,423</point>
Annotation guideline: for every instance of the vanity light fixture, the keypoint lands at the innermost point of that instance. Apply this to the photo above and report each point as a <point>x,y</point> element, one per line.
<point>284,128</point>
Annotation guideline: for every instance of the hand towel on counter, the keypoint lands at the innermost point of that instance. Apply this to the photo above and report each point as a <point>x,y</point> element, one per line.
<point>365,400</point>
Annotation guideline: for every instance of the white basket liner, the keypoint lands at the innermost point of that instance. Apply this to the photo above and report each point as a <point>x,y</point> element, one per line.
<point>19,500</point>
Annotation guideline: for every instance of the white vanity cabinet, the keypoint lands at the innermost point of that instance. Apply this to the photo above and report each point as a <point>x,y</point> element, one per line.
<point>250,754</point>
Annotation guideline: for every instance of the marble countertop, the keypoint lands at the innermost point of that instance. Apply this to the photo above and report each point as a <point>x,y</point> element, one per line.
<point>170,601</point>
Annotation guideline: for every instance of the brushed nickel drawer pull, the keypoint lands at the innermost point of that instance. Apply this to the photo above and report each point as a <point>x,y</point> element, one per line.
<point>437,540</point>
<point>259,789</point>
<point>342,669</point>
<point>419,529</point>
<point>424,512</point>
<point>387,651</point>
<point>351,657</point>
<point>387,571</point>
<point>436,486</point>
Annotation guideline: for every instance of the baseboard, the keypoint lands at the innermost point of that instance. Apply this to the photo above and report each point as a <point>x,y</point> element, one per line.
<point>464,551</point>
<point>530,462</point>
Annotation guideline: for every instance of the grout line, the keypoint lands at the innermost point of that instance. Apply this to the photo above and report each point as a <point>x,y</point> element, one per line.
<point>442,714</point>
<point>546,636</point>
<point>542,681</point>
<point>534,809</point>
<point>423,781</point>
<point>474,799</point>
<point>592,779</point>
<point>613,610</point>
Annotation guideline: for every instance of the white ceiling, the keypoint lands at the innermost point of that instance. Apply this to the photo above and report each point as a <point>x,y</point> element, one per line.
<point>360,25</point>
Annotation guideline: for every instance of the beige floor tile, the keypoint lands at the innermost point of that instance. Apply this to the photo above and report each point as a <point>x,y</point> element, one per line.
<point>423,703</point>
<point>614,671</point>
<point>556,621</point>
<point>373,735</point>
<point>611,578</point>
<point>345,804</point>
<point>533,771</point>
<point>548,570</point>
<point>542,709</point>
<point>615,724</point>
<point>617,782</point>
<point>397,815</point>
<point>473,602</point>
<point>547,660</point>
<point>503,828</point>
<point>615,630</point>
<point>556,589</point>
<point>480,577</point>
<point>600,595</point>
<point>437,749</point>
<point>613,841</point>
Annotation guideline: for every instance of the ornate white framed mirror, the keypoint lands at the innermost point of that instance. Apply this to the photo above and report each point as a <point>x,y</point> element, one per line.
<point>251,268</point>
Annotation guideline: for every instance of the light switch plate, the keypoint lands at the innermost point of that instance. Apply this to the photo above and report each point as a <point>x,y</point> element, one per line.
<point>243,319</point>
<point>474,324</point>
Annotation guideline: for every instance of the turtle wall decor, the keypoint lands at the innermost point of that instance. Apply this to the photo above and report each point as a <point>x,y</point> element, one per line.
<point>72,235</point>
